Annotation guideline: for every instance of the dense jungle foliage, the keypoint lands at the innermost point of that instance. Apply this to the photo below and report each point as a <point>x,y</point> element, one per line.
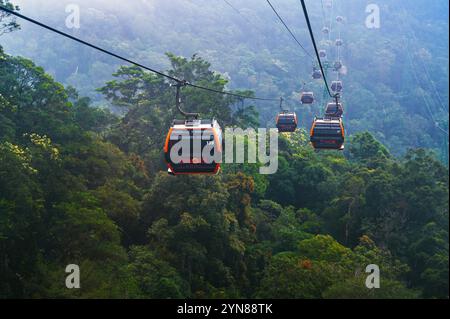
<point>85,184</point>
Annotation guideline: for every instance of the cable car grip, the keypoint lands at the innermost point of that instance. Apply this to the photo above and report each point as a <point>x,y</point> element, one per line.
<point>179,85</point>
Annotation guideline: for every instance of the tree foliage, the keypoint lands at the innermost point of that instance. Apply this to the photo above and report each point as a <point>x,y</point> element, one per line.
<point>81,185</point>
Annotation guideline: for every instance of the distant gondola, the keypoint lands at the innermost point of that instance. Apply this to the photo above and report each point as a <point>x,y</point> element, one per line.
<point>287,121</point>
<point>317,74</point>
<point>307,98</point>
<point>337,65</point>
<point>334,110</point>
<point>336,86</point>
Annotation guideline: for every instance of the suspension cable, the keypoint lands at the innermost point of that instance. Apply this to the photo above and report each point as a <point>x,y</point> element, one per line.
<point>107,52</point>
<point>308,22</point>
<point>427,73</point>
<point>240,13</point>
<point>289,30</point>
<point>427,104</point>
<point>339,27</point>
<point>324,15</point>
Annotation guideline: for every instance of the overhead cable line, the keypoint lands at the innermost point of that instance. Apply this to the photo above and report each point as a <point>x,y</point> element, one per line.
<point>427,104</point>
<point>239,12</point>
<point>324,15</point>
<point>183,82</point>
<point>418,81</point>
<point>308,22</point>
<point>427,73</point>
<point>339,27</point>
<point>289,30</point>
<point>232,7</point>
<point>247,20</point>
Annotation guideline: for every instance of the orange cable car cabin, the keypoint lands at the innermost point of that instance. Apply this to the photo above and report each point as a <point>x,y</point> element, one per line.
<point>328,134</point>
<point>194,147</point>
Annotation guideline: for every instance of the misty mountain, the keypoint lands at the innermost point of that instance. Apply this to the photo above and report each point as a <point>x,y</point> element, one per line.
<point>395,75</point>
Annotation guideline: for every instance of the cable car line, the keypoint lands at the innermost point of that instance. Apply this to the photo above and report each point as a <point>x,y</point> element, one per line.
<point>308,22</point>
<point>415,73</point>
<point>339,42</point>
<point>330,25</point>
<point>427,73</point>
<point>427,103</point>
<point>235,9</point>
<point>326,23</point>
<point>428,107</point>
<point>416,77</point>
<point>240,13</point>
<point>289,30</point>
<point>107,52</point>
<point>324,16</point>
<point>328,133</point>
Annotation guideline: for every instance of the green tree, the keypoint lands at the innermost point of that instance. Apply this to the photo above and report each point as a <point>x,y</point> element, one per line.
<point>156,278</point>
<point>7,24</point>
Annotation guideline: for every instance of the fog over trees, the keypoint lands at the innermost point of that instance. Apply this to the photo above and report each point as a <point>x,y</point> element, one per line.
<point>83,181</point>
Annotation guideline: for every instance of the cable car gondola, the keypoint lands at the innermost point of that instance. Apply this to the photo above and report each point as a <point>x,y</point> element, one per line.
<point>325,30</point>
<point>307,98</point>
<point>287,122</point>
<point>317,74</point>
<point>201,141</point>
<point>337,65</point>
<point>334,110</point>
<point>328,134</point>
<point>336,86</point>
<point>323,54</point>
<point>193,146</point>
<point>340,19</point>
<point>339,42</point>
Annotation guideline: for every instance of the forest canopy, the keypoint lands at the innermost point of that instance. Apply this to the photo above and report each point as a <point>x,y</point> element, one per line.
<point>83,181</point>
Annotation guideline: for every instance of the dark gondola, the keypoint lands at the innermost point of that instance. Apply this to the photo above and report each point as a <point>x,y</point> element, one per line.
<point>317,74</point>
<point>287,121</point>
<point>307,98</point>
<point>322,54</point>
<point>337,65</point>
<point>193,146</point>
<point>199,141</point>
<point>327,134</point>
<point>336,86</point>
<point>334,110</point>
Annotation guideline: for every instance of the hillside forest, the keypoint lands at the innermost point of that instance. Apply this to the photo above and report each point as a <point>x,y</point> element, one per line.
<point>83,179</point>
